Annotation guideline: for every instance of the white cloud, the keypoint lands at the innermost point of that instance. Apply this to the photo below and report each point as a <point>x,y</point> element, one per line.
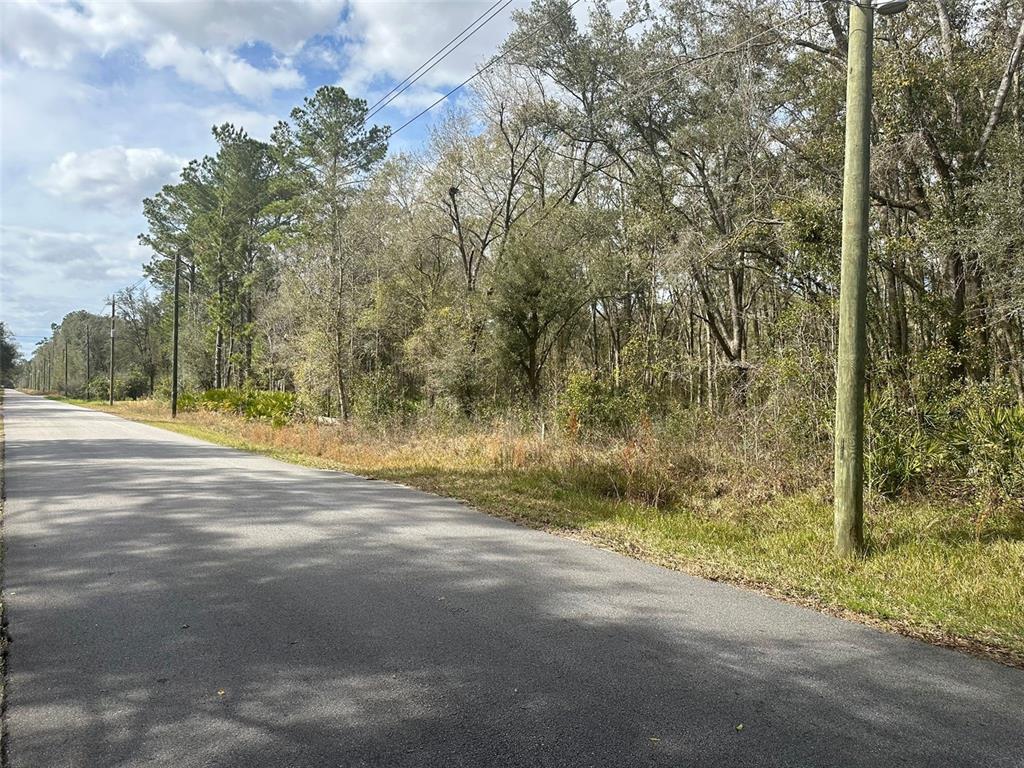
<point>48,273</point>
<point>112,177</point>
<point>50,32</point>
<point>199,40</point>
<point>51,35</point>
<point>283,24</point>
<point>29,100</point>
<point>73,255</point>
<point>220,69</point>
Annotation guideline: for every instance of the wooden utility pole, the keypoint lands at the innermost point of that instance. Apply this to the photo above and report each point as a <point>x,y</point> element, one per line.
<point>174,340</point>
<point>88,362</point>
<point>849,436</point>
<point>113,301</point>
<point>65,365</point>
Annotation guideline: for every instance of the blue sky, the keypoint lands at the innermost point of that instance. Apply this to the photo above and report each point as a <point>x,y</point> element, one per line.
<point>103,102</point>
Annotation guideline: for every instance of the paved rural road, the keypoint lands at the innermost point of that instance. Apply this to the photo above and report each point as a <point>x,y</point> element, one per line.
<point>356,623</point>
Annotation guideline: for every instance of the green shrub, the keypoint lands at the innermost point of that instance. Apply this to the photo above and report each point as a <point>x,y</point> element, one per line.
<point>379,396</point>
<point>966,440</point>
<point>591,405</point>
<point>987,445</point>
<point>899,451</point>
<point>99,387</point>
<point>259,405</point>
<point>126,387</point>
<point>188,401</point>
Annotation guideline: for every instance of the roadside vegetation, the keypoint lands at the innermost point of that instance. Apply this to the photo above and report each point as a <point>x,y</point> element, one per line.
<point>601,298</point>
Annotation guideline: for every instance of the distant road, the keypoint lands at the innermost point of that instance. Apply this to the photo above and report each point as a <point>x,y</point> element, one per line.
<point>174,603</point>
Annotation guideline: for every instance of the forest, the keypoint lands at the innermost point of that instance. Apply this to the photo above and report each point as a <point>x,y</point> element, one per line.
<point>625,233</point>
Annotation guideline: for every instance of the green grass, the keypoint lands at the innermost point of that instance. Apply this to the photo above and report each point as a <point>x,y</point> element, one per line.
<point>932,571</point>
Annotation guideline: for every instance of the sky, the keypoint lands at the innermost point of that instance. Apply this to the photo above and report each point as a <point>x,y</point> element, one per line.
<point>101,103</point>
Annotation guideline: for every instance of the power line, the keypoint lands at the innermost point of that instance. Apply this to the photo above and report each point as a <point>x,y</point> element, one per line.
<point>131,287</point>
<point>494,60</point>
<point>106,304</point>
<point>416,74</point>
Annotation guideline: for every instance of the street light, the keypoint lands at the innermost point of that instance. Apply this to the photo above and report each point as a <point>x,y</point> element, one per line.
<point>889,7</point>
<point>849,432</point>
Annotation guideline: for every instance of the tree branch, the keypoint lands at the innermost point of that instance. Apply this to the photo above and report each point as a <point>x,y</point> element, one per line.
<point>1001,92</point>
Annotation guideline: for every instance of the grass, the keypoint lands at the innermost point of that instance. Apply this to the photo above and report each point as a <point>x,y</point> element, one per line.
<point>932,571</point>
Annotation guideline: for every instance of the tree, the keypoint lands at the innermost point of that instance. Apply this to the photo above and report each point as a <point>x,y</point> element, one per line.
<point>140,317</point>
<point>324,154</point>
<point>10,357</point>
<point>540,288</point>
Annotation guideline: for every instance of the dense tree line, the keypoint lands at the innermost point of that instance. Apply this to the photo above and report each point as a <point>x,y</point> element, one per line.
<point>628,216</point>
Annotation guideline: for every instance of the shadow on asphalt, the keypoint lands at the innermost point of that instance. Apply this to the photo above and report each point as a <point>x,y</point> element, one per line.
<point>353,622</point>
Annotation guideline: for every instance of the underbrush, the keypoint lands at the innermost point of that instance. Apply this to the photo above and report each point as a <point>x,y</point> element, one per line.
<point>966,446</point>
<point>278,408</point>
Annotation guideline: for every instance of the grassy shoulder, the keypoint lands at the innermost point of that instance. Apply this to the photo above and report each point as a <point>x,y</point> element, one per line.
<point>932,572</point>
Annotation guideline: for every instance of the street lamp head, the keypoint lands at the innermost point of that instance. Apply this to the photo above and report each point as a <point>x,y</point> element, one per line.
<point>889,7</point>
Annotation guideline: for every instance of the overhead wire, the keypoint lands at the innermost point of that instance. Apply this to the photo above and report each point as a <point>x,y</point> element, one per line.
<point>494,60</point>
<point>439,56</point>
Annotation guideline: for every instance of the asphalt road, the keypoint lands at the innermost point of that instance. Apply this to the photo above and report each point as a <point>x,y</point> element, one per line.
<point>175,603</point>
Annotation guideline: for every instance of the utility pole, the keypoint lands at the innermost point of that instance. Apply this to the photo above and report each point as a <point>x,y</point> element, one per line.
<point>113,301</point>
<point>849,439</point>
<point>88,362</point>
<point>174,334</point>
<point>849,433</point>
<point>65,365</point>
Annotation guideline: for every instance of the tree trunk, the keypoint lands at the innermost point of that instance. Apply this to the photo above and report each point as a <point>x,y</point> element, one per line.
<point>218,359</point>
<point>342,388</point>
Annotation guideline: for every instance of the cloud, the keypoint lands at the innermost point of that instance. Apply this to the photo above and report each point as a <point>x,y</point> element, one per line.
<point>199,41</point>
<point>220,69</point>
<point>48,273</point>
<point>51,35</point>
<point>284,24</point>
<point>113,177</point>
<point>74,256</point>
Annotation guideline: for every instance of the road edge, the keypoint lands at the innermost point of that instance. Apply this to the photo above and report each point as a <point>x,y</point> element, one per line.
<point>4,635</point>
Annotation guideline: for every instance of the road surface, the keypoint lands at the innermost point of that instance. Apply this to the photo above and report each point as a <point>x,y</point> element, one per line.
<point>175,603</point>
